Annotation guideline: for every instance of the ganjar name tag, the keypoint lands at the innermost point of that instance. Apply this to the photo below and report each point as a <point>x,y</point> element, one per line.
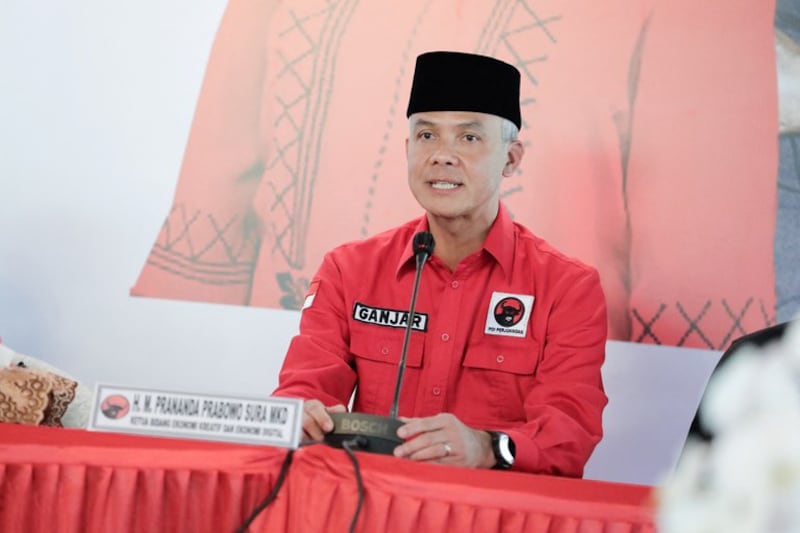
<point>267,421</point>
<point>508,314</point>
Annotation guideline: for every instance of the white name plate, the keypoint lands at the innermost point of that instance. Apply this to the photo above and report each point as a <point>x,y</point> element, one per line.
<point>268,421</point>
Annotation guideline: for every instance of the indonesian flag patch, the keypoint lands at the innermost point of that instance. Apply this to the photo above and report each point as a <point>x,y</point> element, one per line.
<point>311,294</point>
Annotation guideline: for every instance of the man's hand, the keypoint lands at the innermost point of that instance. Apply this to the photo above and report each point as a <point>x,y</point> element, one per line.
<point>444,439</point>
<point>316,421</point>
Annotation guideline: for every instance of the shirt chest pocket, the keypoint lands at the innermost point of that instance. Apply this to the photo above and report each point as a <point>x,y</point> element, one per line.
<point>504,371</point>
<point>513,356</point>
<point>377,359</point>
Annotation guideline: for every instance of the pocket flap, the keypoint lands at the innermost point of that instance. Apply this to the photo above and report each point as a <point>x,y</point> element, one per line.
<point>387,348</point>
<point>512,355</point>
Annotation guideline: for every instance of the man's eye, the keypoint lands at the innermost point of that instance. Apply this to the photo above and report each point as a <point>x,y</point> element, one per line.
<point>470,137</point>
<point>426,135</point>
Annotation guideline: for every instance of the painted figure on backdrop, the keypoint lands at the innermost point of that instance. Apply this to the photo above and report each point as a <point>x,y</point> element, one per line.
<point>649,130</point>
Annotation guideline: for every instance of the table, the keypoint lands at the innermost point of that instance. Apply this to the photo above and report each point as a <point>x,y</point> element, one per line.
<point>67,480</point>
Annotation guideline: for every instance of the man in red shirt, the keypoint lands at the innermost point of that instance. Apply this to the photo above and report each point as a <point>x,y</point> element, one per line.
<point>503,365</point>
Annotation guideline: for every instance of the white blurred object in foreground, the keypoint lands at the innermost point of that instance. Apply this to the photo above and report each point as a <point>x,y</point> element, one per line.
<point>747,479</point>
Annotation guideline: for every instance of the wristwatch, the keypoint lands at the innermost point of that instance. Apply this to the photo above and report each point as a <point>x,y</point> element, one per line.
<point>503,448</point>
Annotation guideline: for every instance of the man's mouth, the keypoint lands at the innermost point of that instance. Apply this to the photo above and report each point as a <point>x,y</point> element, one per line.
<point>444,185</point>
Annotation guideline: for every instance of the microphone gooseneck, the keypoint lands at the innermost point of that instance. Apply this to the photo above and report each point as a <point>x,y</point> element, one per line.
<point>422,244</point>
<point>376,433</point>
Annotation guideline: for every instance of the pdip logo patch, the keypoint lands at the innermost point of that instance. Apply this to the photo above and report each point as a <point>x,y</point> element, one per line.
<point>508,314</point>
<point>388,317</point>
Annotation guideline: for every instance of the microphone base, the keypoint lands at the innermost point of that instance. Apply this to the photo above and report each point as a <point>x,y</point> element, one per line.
<point>368,433</point>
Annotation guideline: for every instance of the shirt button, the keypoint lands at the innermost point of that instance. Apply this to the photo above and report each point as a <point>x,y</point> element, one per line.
<point>385,350</point>
<point>500,359</point>
<point>436,391</point>
<point>445,337</point>
<point>454,284</point>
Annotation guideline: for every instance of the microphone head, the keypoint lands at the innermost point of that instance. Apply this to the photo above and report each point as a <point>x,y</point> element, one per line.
<point>423,243</point>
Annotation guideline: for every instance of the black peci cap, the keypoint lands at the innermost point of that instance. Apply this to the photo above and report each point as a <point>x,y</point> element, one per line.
<point>455,81</point>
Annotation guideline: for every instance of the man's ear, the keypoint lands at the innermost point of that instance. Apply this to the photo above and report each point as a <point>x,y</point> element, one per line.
<point>514,158</point>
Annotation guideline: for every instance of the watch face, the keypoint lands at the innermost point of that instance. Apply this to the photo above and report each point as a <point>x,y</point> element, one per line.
<point>504,449</point>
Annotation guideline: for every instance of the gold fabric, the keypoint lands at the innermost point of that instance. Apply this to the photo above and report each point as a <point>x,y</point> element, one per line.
<point>35,397</point>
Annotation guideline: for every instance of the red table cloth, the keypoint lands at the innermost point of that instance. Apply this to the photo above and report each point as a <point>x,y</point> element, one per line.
<point>62,480</point>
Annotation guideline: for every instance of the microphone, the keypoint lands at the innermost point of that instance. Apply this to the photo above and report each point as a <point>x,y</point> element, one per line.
<point>423,249</point>
<point>375,433</point>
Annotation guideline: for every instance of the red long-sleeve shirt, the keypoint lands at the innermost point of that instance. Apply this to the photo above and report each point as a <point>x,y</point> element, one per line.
<point>533,372</point>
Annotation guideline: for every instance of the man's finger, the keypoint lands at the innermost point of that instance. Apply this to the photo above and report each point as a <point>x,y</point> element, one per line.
<point>427,447</point>
<point>316,420</point>
<point>415,426</point>
<point>311,428</point>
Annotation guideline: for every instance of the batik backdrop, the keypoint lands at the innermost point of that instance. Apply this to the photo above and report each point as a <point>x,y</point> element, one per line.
<point>650,128</point>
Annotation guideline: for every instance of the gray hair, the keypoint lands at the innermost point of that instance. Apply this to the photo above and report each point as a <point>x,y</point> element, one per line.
<point>509,131</point>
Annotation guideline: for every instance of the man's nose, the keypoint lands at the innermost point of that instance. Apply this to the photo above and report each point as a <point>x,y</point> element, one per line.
<point>444,155</point>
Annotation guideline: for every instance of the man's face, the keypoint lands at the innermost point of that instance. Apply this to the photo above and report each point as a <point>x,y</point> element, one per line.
<point>456,160</point>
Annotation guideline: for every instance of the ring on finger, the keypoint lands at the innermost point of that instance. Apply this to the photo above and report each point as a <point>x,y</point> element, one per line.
<point>447,449</point>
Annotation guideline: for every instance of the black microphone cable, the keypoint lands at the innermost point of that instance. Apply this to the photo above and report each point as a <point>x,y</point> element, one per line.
<point>349,445</point>
<point>358,442</point>
<point>287,462</point>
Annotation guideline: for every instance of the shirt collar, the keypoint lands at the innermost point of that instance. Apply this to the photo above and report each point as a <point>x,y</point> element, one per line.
<point>407,255</point>
<point>499,242</point>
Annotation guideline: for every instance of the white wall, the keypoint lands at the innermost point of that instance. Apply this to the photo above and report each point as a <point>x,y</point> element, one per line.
<point>96,103</point>
<point>653,395</point>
